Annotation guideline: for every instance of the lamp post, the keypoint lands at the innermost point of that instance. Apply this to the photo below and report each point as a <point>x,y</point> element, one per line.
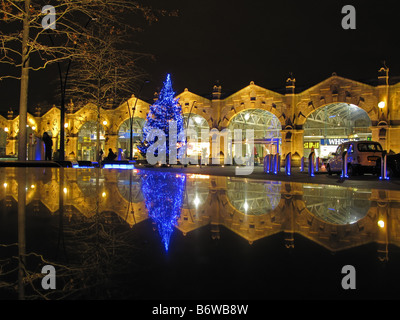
<point>187,124</point>
<point>63,85</point>
<point>381,106</point>
<point>131,115</point>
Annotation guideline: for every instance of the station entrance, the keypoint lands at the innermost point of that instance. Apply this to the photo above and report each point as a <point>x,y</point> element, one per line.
<point>267,133</point>
<point>333,124</point>
<point>124,136</point>
<point>87,141</point>
<point>196,123</point>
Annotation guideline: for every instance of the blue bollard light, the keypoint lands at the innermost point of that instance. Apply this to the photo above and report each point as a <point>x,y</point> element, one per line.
<point>288,164</point>
<point>384,168</point>
<point>311,165</point>
<point>344,165</point>
<point>277,163</point>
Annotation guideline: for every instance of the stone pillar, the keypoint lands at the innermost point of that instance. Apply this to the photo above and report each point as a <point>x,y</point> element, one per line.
<point>381,132</point>
<point>292,141</point>
<point>286,147</point>
<point>297,147</point>
<point>11,146</point>
<point>111,141</point>
<point>71,148</point>
<point>393,137</point>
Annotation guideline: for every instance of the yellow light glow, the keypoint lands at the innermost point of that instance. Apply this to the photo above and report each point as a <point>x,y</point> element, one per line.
<point>103,194</point>
<point>5,184</point>
<point>381,224</point>
<point>6,129</point>
<point>381,104</point>
<point>66,125</point>
<point>105,122</point>
<point>65,190</point>
<point>33,186</point>
<point>198,176</point>
<point>196,201</point>
<point>33,128</point>
<point>198,120</point>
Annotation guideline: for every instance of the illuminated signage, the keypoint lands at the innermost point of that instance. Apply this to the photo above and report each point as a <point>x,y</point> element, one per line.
<point>335,142</point>
<point>311,144</point>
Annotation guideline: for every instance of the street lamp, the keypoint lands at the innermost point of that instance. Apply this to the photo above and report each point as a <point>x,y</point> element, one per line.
<point>63,85</point>
<point>187,125</point>
<point>131,115</point>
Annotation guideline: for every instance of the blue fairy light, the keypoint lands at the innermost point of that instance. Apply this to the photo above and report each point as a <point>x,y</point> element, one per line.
<point>163,194</point>
<point>164,110</point>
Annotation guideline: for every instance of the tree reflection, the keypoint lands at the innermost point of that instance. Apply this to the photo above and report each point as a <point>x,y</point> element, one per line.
<point>163,193</point>
<point>92,254</point>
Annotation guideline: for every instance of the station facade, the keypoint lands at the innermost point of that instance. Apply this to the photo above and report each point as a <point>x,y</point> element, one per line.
<point>318,118</point>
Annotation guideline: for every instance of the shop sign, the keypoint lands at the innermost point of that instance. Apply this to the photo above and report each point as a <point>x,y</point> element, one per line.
<point>335,141</point>
<point>311,144</point>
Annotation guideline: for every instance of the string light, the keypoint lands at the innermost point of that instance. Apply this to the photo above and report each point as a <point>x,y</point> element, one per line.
<point>164,110</point>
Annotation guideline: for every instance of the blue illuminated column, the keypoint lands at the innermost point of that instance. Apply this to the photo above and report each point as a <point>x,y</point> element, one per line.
<point>311,164</point>
<point>344,165</point>
<point>288,164</point>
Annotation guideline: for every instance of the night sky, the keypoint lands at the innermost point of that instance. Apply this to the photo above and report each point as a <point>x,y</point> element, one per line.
<point>235,42</point>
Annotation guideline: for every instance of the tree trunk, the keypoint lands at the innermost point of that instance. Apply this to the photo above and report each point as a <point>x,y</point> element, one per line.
<point>23,102</point>
<point>97,158</point>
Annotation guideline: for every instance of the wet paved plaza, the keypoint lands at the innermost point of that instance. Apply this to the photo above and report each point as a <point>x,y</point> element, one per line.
<point>196,233</point>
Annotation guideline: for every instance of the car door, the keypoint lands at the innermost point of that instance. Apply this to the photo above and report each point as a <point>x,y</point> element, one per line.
<point>337,161</point>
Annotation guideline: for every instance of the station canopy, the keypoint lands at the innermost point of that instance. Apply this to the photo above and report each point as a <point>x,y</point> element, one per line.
<point>338,119</point>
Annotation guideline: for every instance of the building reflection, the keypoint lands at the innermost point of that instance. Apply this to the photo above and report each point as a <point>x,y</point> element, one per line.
<point>336,218</point>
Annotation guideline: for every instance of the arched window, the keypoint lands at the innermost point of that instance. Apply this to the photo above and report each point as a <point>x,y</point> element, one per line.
<point>254,198</point>
<point>196,123</point>
<point>87,141</point>
<point>124,136</point>
<point>337,205</point>
<point>267,132</point>
<point>329,126</point>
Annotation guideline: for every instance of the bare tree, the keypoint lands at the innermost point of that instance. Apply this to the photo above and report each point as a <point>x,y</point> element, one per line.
<point>33,37</point>
<point>105,73</point>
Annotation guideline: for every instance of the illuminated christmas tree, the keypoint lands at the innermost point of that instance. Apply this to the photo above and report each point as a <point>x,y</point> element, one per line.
<point>162,112</point>
<point>163,194</point>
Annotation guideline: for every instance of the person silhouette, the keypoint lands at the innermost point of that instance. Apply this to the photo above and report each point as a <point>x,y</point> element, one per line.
<point>48,144</point>
<point>111,155</point>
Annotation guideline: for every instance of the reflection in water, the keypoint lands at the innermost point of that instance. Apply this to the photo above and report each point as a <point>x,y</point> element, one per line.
<point>86,221</point>
<point>337,205</point>
<point>163,194</point>
<point>129,186</point>
<point>254,198</point>
<point>196,193</point>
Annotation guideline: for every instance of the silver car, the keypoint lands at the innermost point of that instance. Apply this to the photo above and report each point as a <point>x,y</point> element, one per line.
<point>362,157</point>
